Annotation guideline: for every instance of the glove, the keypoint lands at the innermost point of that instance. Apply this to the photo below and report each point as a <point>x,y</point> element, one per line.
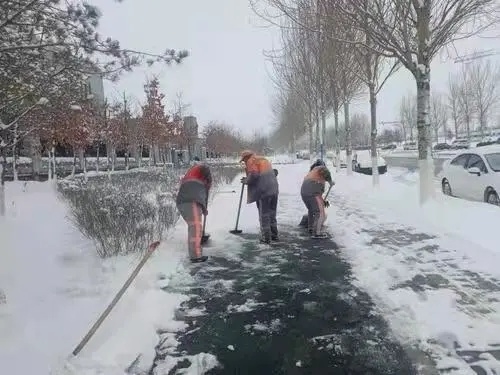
<point>243,180</point>
<point>327,204</point>
<point>205,212</point>
<point>275,172</point>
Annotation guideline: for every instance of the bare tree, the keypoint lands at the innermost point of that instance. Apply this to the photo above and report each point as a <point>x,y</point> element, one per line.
<point>466,99</point>
<point>484,79</point>
<point>454,102</point>
<point>180,106</point>
<point>439,115</point>
<point>345,73</point>
<point>333,49</point>
<point>361,129</point>
<point>296,70</point>
<point>289,119</point>
<point>408,115</point>
<point>372,69</point>
<point>414,32</point>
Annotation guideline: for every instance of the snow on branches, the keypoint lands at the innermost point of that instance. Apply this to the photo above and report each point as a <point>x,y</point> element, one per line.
<point>51,46</point>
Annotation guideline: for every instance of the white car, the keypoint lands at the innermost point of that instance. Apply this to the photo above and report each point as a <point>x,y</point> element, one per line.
<point>473,174</point>
<point>460,143</point>
<point>362,163</point>
<point>410,146</point>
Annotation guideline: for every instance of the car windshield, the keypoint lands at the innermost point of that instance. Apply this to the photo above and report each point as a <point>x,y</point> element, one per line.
<point>494,161</point>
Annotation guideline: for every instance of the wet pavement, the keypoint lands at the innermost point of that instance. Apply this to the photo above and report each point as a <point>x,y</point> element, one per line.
<point>286,309</point>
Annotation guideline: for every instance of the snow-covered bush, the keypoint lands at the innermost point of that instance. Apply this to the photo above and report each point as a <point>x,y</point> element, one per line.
<point>125,214</point>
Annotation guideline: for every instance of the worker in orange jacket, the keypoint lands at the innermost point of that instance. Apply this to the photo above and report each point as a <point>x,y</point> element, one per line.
<point>192,202</point>
<point>311,192</point>
<point>262,189</point>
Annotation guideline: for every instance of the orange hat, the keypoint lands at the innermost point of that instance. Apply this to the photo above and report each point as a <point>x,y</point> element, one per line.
<point>246,154</point>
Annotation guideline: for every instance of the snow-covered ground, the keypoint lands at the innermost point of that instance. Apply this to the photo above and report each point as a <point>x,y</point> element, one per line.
<point>56,286</point>
<point>432,271</point>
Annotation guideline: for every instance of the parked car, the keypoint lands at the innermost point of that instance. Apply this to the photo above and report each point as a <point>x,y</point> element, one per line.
<point>362,163</point>
<point>487,141</point>
<point>460,143</point>
<point>303,154</point>
<point>410,146</point>
<point>473,175</point>
<point>389,147</point>
<point>441,146</point>
<point>342,162</point>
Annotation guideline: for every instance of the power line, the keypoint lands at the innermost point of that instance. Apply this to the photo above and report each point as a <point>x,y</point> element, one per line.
<point>475,55</point>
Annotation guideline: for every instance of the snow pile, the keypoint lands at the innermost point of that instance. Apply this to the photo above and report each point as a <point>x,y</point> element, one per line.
<point>56,287</point>
<point>398,197</point>
<point>283,159</point>
<point>433,271</point>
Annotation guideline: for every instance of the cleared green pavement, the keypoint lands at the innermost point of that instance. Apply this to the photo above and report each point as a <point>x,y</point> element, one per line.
<point>286,309</point>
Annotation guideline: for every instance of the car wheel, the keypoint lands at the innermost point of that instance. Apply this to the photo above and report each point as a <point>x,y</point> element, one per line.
<point>446,188</point>
<point>492,198</point>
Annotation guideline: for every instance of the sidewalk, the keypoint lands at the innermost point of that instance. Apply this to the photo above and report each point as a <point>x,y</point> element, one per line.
<point>438,289</point>
<point>292,309</point>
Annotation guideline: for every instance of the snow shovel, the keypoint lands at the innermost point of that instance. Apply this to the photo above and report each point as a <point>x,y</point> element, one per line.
<point>152,247</point>
<point>236,230</point>
<point>204,236</point>
<point>328,192</point>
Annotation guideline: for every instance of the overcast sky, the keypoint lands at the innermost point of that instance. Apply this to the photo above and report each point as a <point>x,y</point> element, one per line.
<point>226,77</point>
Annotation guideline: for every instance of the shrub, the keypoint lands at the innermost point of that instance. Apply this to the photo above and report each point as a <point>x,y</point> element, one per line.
<point>123,215</point>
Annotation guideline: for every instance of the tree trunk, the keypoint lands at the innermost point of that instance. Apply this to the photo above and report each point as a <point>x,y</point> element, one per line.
<point>316,140</point>
<point>14,162</point>
<point>97,159</point>
<point>14,151</point>
<point>73,170</point>
<point>403,128</point>
<point>81,157</point>
<point>310,129</point>
<point>467,123</point>
<point>156,150</point>
<point>348,141</point>
<point>84,168</point>
<point>36,155</point>
<point>113,159</point>
<point>323,130</point>
<point>49,165</point>
<point>3,167</point>
<point>53,159</point>
<point>108,151</point>
<point>373,135</point>
<point>423,126</point>
<point>337,141</point>
<point>482,122</point>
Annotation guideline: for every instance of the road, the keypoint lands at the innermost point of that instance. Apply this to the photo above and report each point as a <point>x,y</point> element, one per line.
<point>409,161</point>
